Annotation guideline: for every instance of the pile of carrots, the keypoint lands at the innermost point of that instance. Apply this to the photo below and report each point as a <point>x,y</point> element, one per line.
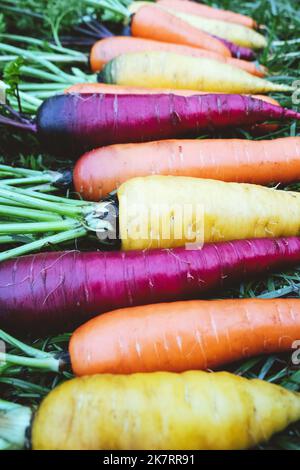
<point>186,69</point>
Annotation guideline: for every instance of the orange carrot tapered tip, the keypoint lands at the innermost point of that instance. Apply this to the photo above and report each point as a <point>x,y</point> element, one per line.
<point>182,336</point>
<point>160,25</point>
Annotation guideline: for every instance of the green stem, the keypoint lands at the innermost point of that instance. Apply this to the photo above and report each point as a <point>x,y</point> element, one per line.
<point>38,227</point>
<point>39,42</point>
<point>11,203</point>
<point>37,202</point>
<point>58,58</point>
<point>26,107</point>
<point>37,73</point>
<point>7,58</point>
<point>6,174</point>
<point>30,55</point>
<point>30,99</point>
<point>39,244</point>
<point>24,385</point>
<point>16,239</point>
<point>42,95</point>
<point>46,364</point>
<point>46,188</point>
<point>51,198</point>
<point>41,86</point>
<point>28,214</point>
<point>19,171</point>
<point>43,178</point>
<point>29,350</point>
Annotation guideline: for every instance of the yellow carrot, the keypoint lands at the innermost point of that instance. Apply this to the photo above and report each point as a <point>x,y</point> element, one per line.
<point>168,70</point>
<point>192,410</point>
<point>238,34</point>
<point>169,211</point>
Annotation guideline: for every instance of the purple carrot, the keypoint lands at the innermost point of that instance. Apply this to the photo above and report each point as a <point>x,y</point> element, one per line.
<point>239,52</point>
<point>70,124</point>
<point>76,123</point>
<point>54,292</point>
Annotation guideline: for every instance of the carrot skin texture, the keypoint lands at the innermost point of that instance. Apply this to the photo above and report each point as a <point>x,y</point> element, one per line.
<point>148,23</point>
<point>54,292</point>
<point>256,129</point>
<point>107,49</point>
<point>193,410</point>
<point>161,69</point>
<point>151,23</point>
<point>70,124</point>
<point>194,8</point>
<point>217,211</point>
<point>180,336</point>
<point>239,52</point>
<point>103,170</point>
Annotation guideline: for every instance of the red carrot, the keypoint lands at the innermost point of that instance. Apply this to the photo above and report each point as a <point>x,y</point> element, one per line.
<point>81,122</point>
<point>57,291</point>
<point>69,124</point>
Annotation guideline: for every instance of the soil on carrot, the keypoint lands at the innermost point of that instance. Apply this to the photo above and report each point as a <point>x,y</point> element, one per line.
<point>280,21</point>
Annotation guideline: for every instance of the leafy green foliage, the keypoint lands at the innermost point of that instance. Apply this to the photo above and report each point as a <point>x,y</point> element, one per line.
<point>11,75</point>
<point>53,15</point>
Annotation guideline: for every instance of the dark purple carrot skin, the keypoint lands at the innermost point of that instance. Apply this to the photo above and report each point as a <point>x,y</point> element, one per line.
<point>239,52</point>
<point>70,124</point>
<point>55,292</point>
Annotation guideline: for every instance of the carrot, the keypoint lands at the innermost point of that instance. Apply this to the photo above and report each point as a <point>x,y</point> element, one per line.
<point>70,124</point>
<point>107,49</point>
<point>193,410</point>
<point>101,171</point>
<point>169,70</point>
<point>176,336</point>
<point>236,51</point>
<point>237,34</point>
<point>39,296</point>
<point>163,26</point>
<point>170,211</point>
<point>194,8</point>
<point>180,336</point>
<point>160,25</point>
<point>256,129</point>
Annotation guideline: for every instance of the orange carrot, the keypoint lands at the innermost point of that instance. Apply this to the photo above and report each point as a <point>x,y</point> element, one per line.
<point>194,8</point>
<point>107,49</point>
<point>101,171</point>
<point>147,23</point>
<point>181,336</point>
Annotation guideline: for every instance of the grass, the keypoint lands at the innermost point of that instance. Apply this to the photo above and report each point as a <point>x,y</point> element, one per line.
<point>281,20</point>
